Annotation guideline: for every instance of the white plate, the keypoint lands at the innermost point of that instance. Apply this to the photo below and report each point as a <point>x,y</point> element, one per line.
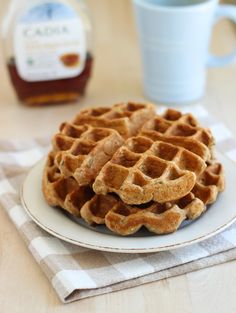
<point>219,216</point>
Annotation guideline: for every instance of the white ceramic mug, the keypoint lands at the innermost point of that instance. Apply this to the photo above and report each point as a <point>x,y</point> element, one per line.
<point>174,39</point>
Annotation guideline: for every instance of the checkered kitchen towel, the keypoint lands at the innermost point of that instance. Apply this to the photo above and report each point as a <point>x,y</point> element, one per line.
<point>76,272</point>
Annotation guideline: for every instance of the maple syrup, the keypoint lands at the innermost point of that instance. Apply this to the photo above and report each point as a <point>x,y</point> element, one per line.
<point>48,50</point>
<point>52,91</point>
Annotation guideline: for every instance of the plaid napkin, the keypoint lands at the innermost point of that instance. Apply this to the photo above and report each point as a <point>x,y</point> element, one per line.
<point>76,272</point>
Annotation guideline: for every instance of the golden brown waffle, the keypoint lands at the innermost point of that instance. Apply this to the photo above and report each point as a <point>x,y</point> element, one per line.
<point>126,118</point>
<point>158,218</point>
<point>142,170</point>
<point>81,151</point>
<point>61,191</point>
<point>181,130</point>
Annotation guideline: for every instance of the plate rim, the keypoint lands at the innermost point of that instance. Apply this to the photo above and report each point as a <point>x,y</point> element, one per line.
<point>116,249</point>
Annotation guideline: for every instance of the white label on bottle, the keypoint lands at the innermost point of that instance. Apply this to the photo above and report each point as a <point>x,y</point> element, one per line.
<point>49,43</point>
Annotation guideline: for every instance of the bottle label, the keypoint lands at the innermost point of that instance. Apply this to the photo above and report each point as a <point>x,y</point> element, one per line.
<point>49,42</point>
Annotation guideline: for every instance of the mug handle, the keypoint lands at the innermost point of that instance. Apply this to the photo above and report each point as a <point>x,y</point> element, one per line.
<point>223,11</point>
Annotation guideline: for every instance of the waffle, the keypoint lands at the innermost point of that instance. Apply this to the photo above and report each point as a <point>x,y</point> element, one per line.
<point>126,118</point>
<point>81,151</point>
<point>142,170</point>
<point>127,168</point>
<point>157,218</point>
<point>181,130</point>
<point>61,191</point>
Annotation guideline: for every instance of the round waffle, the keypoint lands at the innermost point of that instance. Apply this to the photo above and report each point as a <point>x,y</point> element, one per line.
<point>63,191</point>
<point>156,217</point>
<point>81,151</point>
<point>142,170</point>
<point>182,130</point>
<point>126,118</point>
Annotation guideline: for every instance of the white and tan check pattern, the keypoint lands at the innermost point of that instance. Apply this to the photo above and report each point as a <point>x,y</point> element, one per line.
<point>76,272</point>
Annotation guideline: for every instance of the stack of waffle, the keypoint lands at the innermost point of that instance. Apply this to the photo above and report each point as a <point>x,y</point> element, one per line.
<point>127,168</point>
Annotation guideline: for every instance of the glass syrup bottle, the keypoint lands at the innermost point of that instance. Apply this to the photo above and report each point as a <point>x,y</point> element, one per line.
<point>48,50</point>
